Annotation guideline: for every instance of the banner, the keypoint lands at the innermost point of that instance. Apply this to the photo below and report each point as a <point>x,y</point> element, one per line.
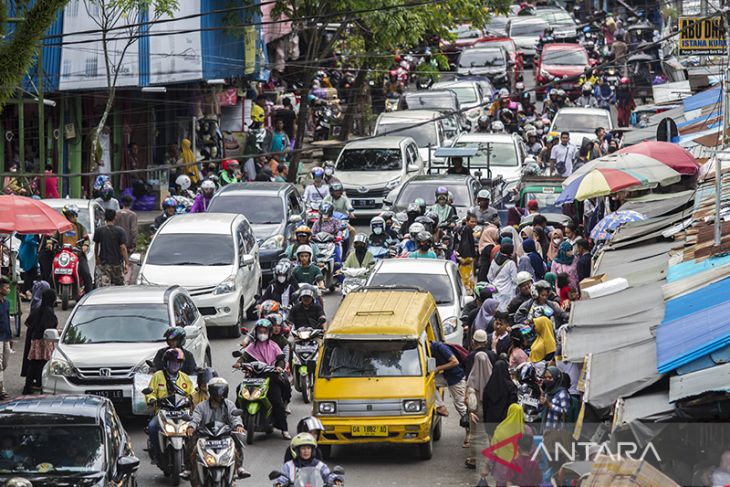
<point>250,37</point>
<point>177,57</point>
<point>702,37</point>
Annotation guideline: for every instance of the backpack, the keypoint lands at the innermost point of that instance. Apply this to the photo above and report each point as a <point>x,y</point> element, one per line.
<point>459,352</point>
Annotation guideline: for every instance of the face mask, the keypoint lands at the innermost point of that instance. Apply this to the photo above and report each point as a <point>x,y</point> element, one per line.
<point>281,279</point>
<point>7,454</point>
<point>557,241</point>
<point>424,246</point>
<point>548,384</point>
<point>328,172</point>
<point>377,230</point>
<point>262,337</point>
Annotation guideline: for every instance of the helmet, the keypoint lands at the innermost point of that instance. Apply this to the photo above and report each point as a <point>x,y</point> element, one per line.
<point>70,210</point>
<point>525,95</point>
<point>303,230</point>
<point>183,181</point>
<point>625,81</point>
<point>523,277</point>
<point>415,229</point>
<point>218,388</point>
<point>520,85</point>
<point>18,482</point>
<point>336,186</point>
<point>426,222</point>
<point>483,121</point>
<point>497,126</point>
<point>307,290</point>
<point>424,237</point>
<point>169,203</point>
<point>441,191</point>
<point>504,93</point>
<point>300,440</point>
<point>360,238</point>
<point>276,319</point>
<point>317,173</point>
<point>326,209</point>
<point>227,163</point>
<point>205,375</point>
<point>542,285</point>
<point>208,187</point>
<point>387,215</point>
<point>413,209</point>
<point>421,203</point>
<point>483,194</point>
<point>434,218</point>
<point>176,333</point>
<point>513,105</point>
<point>173,356</point>
<point>539,125</point>
<point>262,323</point>
<point>304,249</point>
<point>309,424</point>
<point>526,370</point>
<point>484,287</point>
<point>531,133</point>
<point>377,222</point>
<point>282,268</point>
<point>269,306</point>
<point>392,73</point>
<point>107,193</point>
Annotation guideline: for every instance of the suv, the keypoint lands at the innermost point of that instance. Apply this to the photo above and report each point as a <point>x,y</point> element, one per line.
<point>66,440</point>
<point>463,189</point>
<point>443,101</point>
<point>504,153</point>
<point>272,209</point>
<point>561,64</point>
<point>526,32</point>
<point>111,334</point>
<point>370,168</point>
<point>491,61</point>
<point>216,257</point>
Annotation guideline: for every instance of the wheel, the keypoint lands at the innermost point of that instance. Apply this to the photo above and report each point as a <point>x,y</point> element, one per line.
<point>235,330</point>
<point>65,296</point>
<point>436,435</point>
<point>297,381</point>
<point>176,467</point>
<point>305,389</point>
<point>326,451</point>
<point>425,450</point>
<point>250,429</point>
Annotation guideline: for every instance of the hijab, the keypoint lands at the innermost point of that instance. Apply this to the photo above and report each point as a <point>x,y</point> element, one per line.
<point>538,265</point>
<point>481,371</point>
<point>563,257</point>
<point>544,344</point>
<point>42,317</point>
<point>188,158</point>
<point>506,249</point>
<point>512,425</point>
<point>553,249</point>
<point>264,351</point>
<point>499,393</point>
<point>486,314</point>
<point>38,288</point>
<point>530,232</point>
<point>551,278</point>
<point>490,236</point>
<point>557,380</point>
<point>516,240</point>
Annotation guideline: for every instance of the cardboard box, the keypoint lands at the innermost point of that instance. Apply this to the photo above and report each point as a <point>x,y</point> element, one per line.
<point>592,281</point>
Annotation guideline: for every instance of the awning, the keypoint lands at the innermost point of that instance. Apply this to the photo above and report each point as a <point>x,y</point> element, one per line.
<point>708,97</point>
<point>667,203</point>
<point>456,152</point>
<point>647,407</point>
<point>638,273</point>
<point>635,232</point>
<point>635,136</point>
<point>689,385</point>
<point>620,307</point>
<point>577,341</point>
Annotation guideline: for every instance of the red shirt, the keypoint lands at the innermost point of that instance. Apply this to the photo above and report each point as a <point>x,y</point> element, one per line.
<point>530,475</point>
<point>564,294</point>
<point>51,186</point>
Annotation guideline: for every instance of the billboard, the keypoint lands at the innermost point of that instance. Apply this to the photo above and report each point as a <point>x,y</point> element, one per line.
<point>177,57</point>
<point>700,36</point>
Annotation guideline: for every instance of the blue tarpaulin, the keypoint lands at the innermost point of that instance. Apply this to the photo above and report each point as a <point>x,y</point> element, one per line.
<point>700,100</point>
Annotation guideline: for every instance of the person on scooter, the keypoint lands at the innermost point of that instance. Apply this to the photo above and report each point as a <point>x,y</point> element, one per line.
<point>408,244</point>
<point>202,199</point>
<point>307,313</point>
<point>175,339</point>
<point>217,408</point>
<point>442,208</point>
<point>169,205</point>
<point>586,99</point>
<point>360,256</point>
<point>378,237</point>
<point>303,447</point>
<point>230,173</point>
<point>282,287</point>
<point>390,231</point>
<point>307,272</point>
<point>482,125</point>
<point>485,213</point>
<point>201,391</point>
<point>318,189</point>
<point>303,235</point>
<point>421,204</point>
<point>412,212</point>
<point>169,380</point>
<point>107,200</point>
<point>314,427</point>
<point>339,200</point>
<point>77,236</point>
<point>329,224</point>
<point>329,173</point>
<point>424,240</point>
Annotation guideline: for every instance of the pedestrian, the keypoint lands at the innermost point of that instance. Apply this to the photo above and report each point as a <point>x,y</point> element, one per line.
<point>585,264</point>
<point>288,117</point>
<point>499,393</point>
<point>556,238</point>
<point>457,167</point>
<point>557,403</point>
<point>126,218</point>
<point>516,354</point>
<point>466,250</point>
<point>38,289</point>
<point>476,382</point>
<point>544,346</point>
<point>28,257</point>
<point>566,262</point>
<point>111,251</point>
<point>37,349</point>
<point>450,374</point>
<point>51,183</point>
<point>488,241</point>
<point>624,102</point>
<point>563,155</point>
<point>280,142</point>
<point>191,165</point>
<point>6,333</point>
<point>536,264</point>
<point>527,469</point>
<point>511,428</point>
<point>499,340</point>
<point>564,288</point>
<point>503,271</point>
<point>485,317</point>
<point>511,232</point>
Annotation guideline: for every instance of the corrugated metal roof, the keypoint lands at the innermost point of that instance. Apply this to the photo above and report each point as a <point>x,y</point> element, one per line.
<point>707,97</point>
<point>689,385</point>
<point>638,273</point>
<point>647,407</point>
<point>577,341</point>
<point>634,301</point>
<point>669,92</point>
<point>660,207</point>
<point>691,303</point>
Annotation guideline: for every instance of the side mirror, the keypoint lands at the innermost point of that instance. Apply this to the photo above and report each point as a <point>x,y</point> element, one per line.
<point>135,258</point>
<point>247,260</point>
<point>236,353</point>
<point>430,365</point>
<point>293,219</point>
<point>338,470</point>
<point>192,331</point>
<point>275,474</point>
<point>127,465</point>
<point>51,335</point>
<point>412,168</point>
<point>150,363</point>
<point>146,390</point>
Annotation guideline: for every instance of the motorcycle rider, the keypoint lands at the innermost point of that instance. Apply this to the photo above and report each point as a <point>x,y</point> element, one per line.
<point>217,408</point>
<point>306,271</point>
<point>524,291</point>
<point>408,244</point>
<point>390,231</point>
<point>202,199</point>
<point>339,200</point>
<point>169,206</point>
<point>77,236</point>
<point>303,448</point>
<point>528,108</point>
<point>442,208</point>
<point>424,240</point>
<point>282,287</point>
<point>482,125</point>
<point>586,99</point>
<point>107,200</point>
<point>303,236</point>
<point>329,224</point>
<point>175,338</point>
<point>329,173</point>
<point>318,189</point>
<point>201,391</point>
<point>533,144</point>
<point>231,172</point>
<point>604,94</point>
<point>359,256</point>
<point>498,127</point>
<point>412,212</point>
<point>307,313</point>
<point>485,213</point>
<point>378,237</point>
<point>314,427</point>
<point>169,380</point>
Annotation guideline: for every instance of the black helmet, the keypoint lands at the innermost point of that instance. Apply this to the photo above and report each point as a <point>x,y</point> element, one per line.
<point>205,375</point>
<point>176,333</point>
<point>413,210</point>
<point>426,222</point>
<point>173,356</point>
<point>434,217</point>
<point>336,186</point>
<point>218,388</point>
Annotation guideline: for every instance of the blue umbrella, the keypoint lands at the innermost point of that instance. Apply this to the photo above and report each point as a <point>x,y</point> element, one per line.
<point>605,228</point>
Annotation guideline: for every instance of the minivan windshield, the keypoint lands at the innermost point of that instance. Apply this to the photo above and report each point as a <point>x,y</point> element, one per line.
<point>579,122</point>
<point>430,100</point>
<point>117,323</point>
<point>565,57</point>
<point>203,249</point>
<point>370,358</point>
<point>503,153</point>
<point>50,449</point>
<point>527,29</point>
<point>427,191</point>
<point>423,133</point>
<point>370,160</point>
<point>258,209</point>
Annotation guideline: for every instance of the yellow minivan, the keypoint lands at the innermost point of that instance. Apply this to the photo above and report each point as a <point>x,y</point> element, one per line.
<point>375,377</point>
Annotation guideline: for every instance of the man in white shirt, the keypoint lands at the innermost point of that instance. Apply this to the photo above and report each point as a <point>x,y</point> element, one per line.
<point>563,155</point>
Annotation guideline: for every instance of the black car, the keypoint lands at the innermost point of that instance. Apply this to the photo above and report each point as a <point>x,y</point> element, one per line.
<point>494,62</point>
<point>273,209</point>
<point>463,188</point>
<point>65,440</point>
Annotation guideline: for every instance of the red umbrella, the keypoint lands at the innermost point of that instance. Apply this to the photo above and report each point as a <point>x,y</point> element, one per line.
<point>27,215</point>
<point>674,156</point>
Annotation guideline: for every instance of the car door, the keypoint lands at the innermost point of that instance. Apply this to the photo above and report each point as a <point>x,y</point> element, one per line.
<point>294,208</point>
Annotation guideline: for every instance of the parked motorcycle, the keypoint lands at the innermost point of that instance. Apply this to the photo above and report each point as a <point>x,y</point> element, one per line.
<point>215,453</point>
<point>307,477</point>
<point>252,398</point>
<point>304,359</point>
<point>173,416</point>
<point>326,257</point>
<point>65,269</point>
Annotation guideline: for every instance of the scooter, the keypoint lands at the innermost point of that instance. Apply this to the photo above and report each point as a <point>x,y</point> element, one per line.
<point>355,277</point>
<point>173,416</point>
<point>307,477</point>
<point>528,393</point>
<point>66,278</point>
<point>304,360</point>
<point>312,213</point>
<point>252,398</point>
<point>215,453</point>
<point>326,257</point>
<point>391,102</point>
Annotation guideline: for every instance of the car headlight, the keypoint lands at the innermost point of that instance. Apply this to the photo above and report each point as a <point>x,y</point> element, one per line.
<point>225,287</point>
<point>273,242</point>
<point>142,368</point>
<point>327,407</point>
<point>413,406</point>
<point>62,368</point>
<point>392,183</point>
<point>450,325</point>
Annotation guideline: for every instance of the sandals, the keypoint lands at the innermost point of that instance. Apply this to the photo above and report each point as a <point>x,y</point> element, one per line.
<point>471,465</point>
<point>286,435</point>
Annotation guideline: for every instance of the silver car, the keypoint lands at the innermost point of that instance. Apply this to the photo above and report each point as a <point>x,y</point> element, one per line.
<point>110,335</point>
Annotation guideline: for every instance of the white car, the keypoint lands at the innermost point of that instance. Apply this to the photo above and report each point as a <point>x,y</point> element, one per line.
<point>113,332</point>
<point>439,277</point>
<point>423,126</point>
<point>580,123</point>
<point>526,32</point>
<point>91,216</point>
<point>503,154</point>
<point>216,257</point>
<point>472,98</point>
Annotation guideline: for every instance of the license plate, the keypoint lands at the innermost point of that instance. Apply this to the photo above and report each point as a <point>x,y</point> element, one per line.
<point>253,382</point>
<point>216,443</point>
<point>529,401</point>
<point>363,203</point>
<point>64,271</point>
<point>378,430</point>
<point>306,348</point>
<point>109,394</point>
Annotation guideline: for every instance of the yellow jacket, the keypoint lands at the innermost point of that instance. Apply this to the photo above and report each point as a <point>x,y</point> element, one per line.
<point>158,384</point>
<point>200,396</point>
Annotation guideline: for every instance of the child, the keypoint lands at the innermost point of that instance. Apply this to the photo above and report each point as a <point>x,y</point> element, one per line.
<point>563,285</point>
<point>530,469</point>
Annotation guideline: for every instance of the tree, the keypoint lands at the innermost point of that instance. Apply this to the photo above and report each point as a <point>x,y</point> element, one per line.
<point>120,25</point>
<point>18,49</point>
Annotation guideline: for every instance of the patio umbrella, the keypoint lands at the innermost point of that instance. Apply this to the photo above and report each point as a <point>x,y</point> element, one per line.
<point>600,182</point>
<point>673,155</point>
<point>27,215</point>
<point>605,228</point>
<point>654,171</point>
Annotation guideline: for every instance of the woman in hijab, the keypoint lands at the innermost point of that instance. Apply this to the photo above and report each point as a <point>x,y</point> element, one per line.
<point>514,216</point>
<point>534,259</point>
<point>512,233</point>
<point>38,350</point>
<point>544,346</point>
<point>488,241</point>
<point>191,165</point>
<point>517,353</point>
<point>38,288</point>
<point>485,317</point>
<point>566,262</point>
<point>477,381</point>
<point>556,238</point>
<point>502,273</point>
<point>499,393</point>
<point>529,232</point>
<point>512,425</point>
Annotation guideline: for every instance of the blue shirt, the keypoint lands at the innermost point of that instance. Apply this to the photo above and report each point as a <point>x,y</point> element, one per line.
<point>28,253</point>
<point>6,334</point>
<point>418,255</point>
<point>442,353</point>
<point>279,142</point>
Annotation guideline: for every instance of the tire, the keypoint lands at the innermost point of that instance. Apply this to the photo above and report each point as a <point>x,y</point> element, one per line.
<point>176,467</point>
<point>425,450</point>
<point>65,296</point>
<point>250,429</point>
<point>235,330</point>
<point>208,360</point>
<point>326,451</point>
<point>305,388</point>
<point>436,434</point>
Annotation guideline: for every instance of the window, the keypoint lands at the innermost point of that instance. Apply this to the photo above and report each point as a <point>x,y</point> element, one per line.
<point>179,307</point>
<point>124,323</point>
<point>91,67</point>
<point>98,217</point>
<point>183,249</point>
<point>257,209</point>
<point>370,160</point>
<point>370,358</point>
<point>295,207</point>
<point>423,134</point>
<point>191,310</point>
<point>412,151</point>
<point>242,245</point>
<point>436,326</point>
<point>66,68</point>
<point>249,236</point>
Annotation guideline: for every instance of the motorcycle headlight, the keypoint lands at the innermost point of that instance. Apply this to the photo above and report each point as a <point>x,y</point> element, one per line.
<point>170,429</point>
<point>327,407</point>
<point>413,406</point>
<point>273,242</point>
<point>392,183</point>
<point>245,394</point>
<point>62,368</point>
<point>225,287</point>
<point>256,394</point>
<point>450,325</point>
<point>210,460</point>
<point>64,260</point>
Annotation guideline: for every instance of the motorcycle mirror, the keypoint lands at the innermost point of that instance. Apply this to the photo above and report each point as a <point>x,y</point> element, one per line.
<point>338,470</point>
<point>237,412</point>
<point>149,363</point>
<point>146,391</point>
<point>236,353</point>
<point>275,474</point>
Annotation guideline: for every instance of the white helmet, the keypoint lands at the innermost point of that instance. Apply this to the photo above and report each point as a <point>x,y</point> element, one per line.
<point>207,186</point>
<point>483,194</point>
<point>529,160</point>
<point>183,181</point>
<point>497,126</point>
<point>523,277</point>
<point>415,229</point>
<point>304,249</point>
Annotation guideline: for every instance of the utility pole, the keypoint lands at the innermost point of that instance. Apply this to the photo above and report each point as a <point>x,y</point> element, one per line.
<point>725,127</point>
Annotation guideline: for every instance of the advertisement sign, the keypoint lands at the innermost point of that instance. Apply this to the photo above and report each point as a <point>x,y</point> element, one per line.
<point>177,57</point>
<point>250,36</point>
<point>702,36</point>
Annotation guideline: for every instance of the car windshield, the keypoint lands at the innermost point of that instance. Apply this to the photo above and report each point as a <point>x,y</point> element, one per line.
<point>423,133</point>
<point>465,32</point>
<point>410,192</point>
<point>439,285</point>
<point>258,209</point>
<point>430,101</point>
<point>527,29</point>
<point>370,358</point>
<point>479,58</point>
<point>465,94</point>
<point>579,122</point>
<point>507,45</point>
<point>545,201</point>
<point>497,22</point>
<point>564,57</point>
<point>58,448</point>
<point>123,323</point>
<point>191,249</point>
<point>561,18</point>
<point>370,160</point>
<point>502,153</point>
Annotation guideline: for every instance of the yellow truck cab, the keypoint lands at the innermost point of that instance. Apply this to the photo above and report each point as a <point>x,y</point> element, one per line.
<point>375,379</point>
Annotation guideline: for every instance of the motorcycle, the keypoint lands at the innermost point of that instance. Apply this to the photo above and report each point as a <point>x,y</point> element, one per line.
<point>326,257</point>
<point>252,398</point>
<point>528,393</point>
<point>65,270</point>
<point>307,477</point>
<point>304,359</point>
<point>215,453</point>
<point>355,277</point>
<point>173,416</point>
<point>312,213</point>
<point>391,102</point>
